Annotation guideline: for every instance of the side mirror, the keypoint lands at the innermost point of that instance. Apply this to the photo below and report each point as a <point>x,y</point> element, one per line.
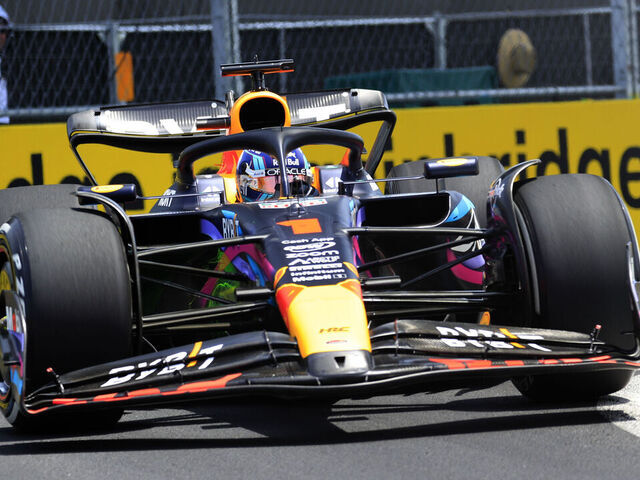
<point>451,167</point>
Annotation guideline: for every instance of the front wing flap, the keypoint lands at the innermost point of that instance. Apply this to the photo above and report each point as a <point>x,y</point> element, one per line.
<point>409,355</point>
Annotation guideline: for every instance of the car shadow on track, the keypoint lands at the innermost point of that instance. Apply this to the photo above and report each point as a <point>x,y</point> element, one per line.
<point>244,425</point>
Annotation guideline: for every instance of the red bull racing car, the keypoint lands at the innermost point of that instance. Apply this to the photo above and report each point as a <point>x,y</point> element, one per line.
<point>273,277</point>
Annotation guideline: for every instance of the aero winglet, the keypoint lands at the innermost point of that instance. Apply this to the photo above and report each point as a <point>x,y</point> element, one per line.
<point>257,70</point>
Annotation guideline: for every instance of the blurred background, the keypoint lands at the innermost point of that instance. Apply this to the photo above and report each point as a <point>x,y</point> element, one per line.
<point>66,55</point>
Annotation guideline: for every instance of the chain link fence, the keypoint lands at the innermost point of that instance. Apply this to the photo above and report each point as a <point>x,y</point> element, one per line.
<point>66,55</point>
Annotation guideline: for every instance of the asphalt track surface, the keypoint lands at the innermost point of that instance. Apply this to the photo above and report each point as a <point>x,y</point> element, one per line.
<point>451,435</point>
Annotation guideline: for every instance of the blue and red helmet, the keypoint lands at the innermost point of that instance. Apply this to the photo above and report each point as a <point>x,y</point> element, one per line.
<point>259,179</point>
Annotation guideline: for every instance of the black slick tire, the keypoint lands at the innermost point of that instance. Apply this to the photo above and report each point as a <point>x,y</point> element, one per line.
<point>475,188</point>
<point>578,235</point>
<point>72,275</point>
<point>22,199</point>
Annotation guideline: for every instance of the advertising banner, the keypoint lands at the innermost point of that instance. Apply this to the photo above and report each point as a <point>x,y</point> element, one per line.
<point>597,137</point>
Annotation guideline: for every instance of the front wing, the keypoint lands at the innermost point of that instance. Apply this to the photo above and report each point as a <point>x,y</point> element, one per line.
<point>410,356</point>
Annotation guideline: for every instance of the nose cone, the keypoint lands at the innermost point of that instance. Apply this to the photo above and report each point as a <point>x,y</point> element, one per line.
<point>325,318</point>
<point>333,366</point>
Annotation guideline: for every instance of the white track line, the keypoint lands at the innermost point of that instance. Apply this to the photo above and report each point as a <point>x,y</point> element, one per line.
<point>623,408</point>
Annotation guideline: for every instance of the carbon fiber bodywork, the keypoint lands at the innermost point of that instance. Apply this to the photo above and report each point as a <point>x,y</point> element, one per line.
<point>409,356</point>
<point>347,293</point>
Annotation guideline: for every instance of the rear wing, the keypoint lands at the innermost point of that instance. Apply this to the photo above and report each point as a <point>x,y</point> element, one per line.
<point>171,127</point>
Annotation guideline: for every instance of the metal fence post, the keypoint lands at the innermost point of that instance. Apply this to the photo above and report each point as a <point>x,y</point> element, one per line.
<point>635,60</point>
<point>112,41</point>
<point>441,41</point>
<point>222,48</point>
<point>621,48</point>
<point>438,28</point>
<point>588,63</point>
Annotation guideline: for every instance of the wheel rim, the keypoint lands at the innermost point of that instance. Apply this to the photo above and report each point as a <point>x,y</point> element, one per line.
<point>12,326</point>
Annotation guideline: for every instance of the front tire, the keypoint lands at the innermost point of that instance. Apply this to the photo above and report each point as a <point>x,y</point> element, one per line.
<point>578,235</point>
<point>68,269</point>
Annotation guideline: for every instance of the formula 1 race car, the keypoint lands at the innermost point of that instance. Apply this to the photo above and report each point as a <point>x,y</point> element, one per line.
<point>320,286</point>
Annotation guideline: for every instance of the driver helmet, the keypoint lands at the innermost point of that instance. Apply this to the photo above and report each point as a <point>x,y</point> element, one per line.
<point>258,175</point>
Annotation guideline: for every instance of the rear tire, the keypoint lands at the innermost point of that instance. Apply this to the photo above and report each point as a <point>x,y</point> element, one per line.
<point>22,199</point>
<point>475,188</point>
<point>578,233</point>
<point>70,269</point>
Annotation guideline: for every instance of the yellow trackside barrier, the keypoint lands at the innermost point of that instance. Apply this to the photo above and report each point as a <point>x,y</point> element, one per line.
<point>599,137</point>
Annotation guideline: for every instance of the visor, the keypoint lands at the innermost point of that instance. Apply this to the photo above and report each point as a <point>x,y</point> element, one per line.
<point>271,184</point>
